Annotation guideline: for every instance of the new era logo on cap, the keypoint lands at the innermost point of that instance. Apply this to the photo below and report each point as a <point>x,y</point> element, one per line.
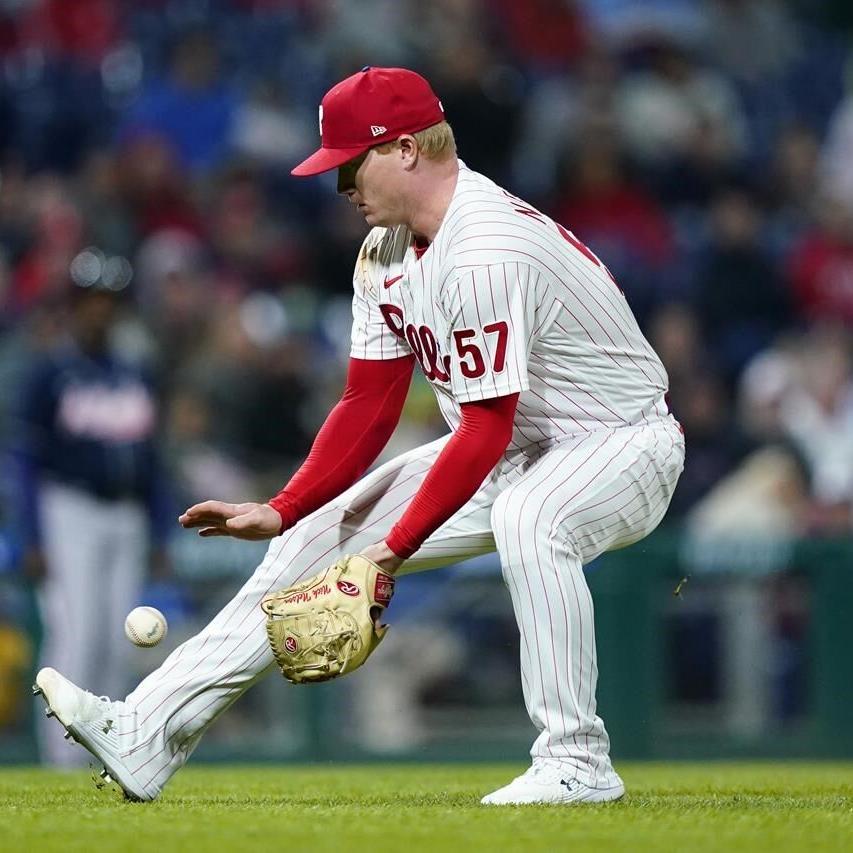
<point>403,99</point>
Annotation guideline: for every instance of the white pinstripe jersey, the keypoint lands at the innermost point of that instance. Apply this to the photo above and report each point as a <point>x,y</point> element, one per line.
<point>506,300</point>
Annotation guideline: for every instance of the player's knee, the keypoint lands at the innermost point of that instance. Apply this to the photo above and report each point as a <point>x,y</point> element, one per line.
<point>514,518</point>
<point>498,514</point>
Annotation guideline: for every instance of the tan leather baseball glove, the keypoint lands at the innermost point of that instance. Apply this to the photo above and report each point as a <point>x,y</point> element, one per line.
<point>328,625</point>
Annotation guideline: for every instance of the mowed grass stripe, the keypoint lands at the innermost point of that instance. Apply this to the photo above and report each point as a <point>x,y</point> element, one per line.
<point>413,808</point>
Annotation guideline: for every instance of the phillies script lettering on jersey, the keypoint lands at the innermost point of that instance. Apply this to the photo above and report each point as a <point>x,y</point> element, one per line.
<point>506,300</point>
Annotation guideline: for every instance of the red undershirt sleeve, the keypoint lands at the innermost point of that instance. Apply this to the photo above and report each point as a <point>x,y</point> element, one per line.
<point>352,436</point>
<point>457,473</point>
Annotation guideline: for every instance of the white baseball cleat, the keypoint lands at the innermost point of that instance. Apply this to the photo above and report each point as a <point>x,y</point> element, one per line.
<point>547,782</point>
<point>91,721</point>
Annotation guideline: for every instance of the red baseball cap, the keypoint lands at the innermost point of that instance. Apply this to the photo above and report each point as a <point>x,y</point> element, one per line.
<point>373,106</point>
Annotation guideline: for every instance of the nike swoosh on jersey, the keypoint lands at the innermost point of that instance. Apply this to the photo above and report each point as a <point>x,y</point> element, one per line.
<point>390,281</point>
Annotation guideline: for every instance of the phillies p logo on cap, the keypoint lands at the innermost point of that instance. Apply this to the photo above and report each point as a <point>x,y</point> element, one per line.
<point>373,106</point>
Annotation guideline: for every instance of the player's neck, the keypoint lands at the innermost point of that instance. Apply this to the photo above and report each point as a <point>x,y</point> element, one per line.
<point>432,198</point>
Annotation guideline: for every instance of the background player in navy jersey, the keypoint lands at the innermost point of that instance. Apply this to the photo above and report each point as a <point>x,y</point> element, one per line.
<point>91,496</point>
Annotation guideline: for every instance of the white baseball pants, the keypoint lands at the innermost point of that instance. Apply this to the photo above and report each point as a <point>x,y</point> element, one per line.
<point>96,553</point>
<point>547,512</point>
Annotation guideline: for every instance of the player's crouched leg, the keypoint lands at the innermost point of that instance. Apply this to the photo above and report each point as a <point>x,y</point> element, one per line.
<point>166,715</point>
<point>553,608</point>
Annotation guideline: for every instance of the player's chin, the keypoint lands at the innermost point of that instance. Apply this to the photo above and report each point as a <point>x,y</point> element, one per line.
<point>377,220</point>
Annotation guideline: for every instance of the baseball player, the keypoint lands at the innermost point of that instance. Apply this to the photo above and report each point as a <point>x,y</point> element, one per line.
<point>93,506</point>
<point>560,448</point>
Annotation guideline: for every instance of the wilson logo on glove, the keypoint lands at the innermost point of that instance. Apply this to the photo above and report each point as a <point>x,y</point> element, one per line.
<point>348,588</point>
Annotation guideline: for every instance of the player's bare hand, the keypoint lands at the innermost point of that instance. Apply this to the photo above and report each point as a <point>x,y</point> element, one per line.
<point>383,556</point>
<point>242,521</point>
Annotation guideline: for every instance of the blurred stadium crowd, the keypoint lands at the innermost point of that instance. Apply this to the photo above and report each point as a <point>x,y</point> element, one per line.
<point>703,148</point>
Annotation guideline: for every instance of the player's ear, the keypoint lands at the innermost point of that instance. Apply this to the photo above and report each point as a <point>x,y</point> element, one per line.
<point>409,151</point>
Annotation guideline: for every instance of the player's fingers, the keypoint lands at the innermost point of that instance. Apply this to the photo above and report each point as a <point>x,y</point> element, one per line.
<point>242,522</point>
<point>245,526</point>
<point>202,522</point>
<point>205,512</point>
<point>213,531</point>
<point>212,508</point>
<point>250,525</point>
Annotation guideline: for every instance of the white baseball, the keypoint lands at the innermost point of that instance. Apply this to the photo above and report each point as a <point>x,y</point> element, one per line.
<point>145,626</point>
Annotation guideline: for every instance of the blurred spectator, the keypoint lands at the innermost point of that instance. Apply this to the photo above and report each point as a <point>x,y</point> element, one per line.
<point>91,498</point>
<point>674,333</point>
<point>752,40</point>
<point>196,463</point>
<point>83,30</point>
<point>740,297</point>
<point>625,22</point>
<point>545,36</point>
<point>799,394</point>
<point>156,190</point>
<point>252,248</point>
<point>481,95</point>
<point>698,398</point>
<point>790,190</point>
<point>372,32</point>
<point>716,445</point>
<point>250,377</point>
<point>837,153</point>
<point>269,131</point>
<point>618,219</point>
<point>175,295</point>
<point>764,384</point>
<point>109,218</point>
<point>193,108</point>
<point>765,497</point>
<point>558,112</point>
<point>56,230</point>
<point>16,224</point>
<point>675,110</point>
<point>817,415</point>
<point>820,267</point>
<point>337,241</point>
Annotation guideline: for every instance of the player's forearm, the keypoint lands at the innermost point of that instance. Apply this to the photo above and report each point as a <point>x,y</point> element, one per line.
<point>327,471</point>
<point>352,436</point>
<point>457,473</point>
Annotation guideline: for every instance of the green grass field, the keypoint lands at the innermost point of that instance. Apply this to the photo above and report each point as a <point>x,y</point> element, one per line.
<point>408,808</point>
